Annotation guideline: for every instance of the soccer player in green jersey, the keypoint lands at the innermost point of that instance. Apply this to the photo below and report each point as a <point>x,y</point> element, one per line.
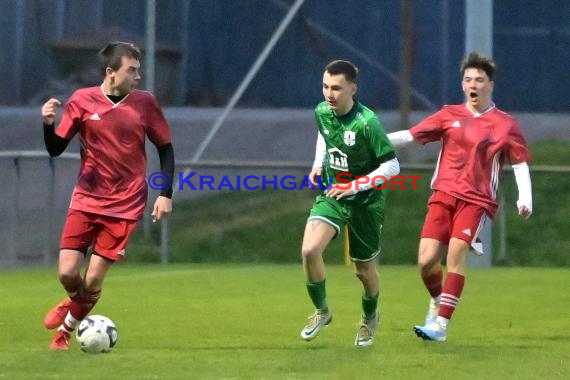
<point>354,158</point>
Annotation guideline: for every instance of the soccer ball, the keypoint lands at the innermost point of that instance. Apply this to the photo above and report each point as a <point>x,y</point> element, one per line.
<point>97,334</point>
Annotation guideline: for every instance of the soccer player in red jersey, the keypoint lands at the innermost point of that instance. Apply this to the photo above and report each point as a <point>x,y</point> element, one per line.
<point>109,198</point>
<point>476,138</point>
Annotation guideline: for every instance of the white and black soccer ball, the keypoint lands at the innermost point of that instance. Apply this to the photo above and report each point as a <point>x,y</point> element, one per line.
<point>97,334</point>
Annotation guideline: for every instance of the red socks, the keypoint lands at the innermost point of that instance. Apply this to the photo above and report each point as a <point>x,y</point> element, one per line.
<point>81,305</point>
<point>451,293</point>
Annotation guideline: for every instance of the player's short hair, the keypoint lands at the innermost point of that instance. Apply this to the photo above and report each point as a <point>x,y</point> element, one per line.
<point>478,61</point>
<point>110,55</point>
<point>347,68</point>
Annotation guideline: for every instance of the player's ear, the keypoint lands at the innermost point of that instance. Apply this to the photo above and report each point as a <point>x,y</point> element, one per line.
<point>354,88</point>
<point>109,71</point>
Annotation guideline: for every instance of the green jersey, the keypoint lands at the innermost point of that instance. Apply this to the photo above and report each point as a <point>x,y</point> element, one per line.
<point>356,144</point>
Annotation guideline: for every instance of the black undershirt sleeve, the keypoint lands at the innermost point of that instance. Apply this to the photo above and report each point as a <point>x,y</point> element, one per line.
<point>166,156</point>
<point>55,145</point>
<point>387,157</point>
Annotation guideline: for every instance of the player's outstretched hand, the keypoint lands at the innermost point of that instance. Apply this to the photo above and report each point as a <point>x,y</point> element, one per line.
<point>314,174</point>
<point>162,207</point>
<point>525,212</point>
<point>339,191</point>
<point>49,110</point>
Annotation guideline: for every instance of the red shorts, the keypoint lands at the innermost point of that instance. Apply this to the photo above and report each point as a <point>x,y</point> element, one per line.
<point>449,217</point>
<point>107,235</point>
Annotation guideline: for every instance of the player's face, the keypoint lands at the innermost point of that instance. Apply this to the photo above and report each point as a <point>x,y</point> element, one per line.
<point>338,92</point>
<point>477,89</point>
<point>127,77</point>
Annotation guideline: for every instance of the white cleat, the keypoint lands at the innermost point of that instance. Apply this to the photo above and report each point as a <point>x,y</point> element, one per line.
<point>434,331</point>
<point>317,322</point>
<point>366,331</point>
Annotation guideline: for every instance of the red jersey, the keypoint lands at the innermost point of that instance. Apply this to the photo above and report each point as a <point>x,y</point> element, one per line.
<point>474,147</point>
<point>113,161</point>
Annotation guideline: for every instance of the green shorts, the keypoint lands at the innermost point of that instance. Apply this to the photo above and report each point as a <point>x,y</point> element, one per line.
<point>364,223</point>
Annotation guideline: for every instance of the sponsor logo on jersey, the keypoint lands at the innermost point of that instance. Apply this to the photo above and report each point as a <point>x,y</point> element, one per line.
<point>456,124</point>
<point>95,116</point>
<point>326,131</point>
<point>349,138</point>
<point>337,159</point>
<point>121,252</point>
<point>467,232</point>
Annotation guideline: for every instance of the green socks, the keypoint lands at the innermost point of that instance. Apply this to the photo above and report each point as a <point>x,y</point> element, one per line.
<point>369,306</point>
<point>318,294</point>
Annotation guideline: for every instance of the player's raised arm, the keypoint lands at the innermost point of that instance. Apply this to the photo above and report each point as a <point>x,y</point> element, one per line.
<point>55,144</point>
<point>49,110</point>
<point>402,137</point>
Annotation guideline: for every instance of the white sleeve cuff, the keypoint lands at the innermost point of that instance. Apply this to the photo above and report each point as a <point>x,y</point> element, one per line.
<point>380,175</point>
<point>522,178</point>
<point>320,151</point>
<point>401,137</point>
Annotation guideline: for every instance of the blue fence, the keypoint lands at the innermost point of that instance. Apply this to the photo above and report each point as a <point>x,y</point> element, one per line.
<point>207,47</point>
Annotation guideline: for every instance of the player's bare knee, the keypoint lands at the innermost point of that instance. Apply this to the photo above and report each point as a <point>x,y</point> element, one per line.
<point>310,252</point>
<point>68,278</point>
<point>365,272</point>
<point>361,274</point>
<point>427,259</point>
<point>427,263</point>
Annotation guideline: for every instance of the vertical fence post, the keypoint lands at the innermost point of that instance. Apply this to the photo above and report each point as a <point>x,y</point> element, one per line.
<point>406,58</point>
<point>48,245</point>
<point>149,73</point>
<point>18,54</point>
<point>444,43</point>
<point>479,37</point>
<point>164,241</point>
<point>502,259</point>
<point>14,216</point>
<point>185,48</point>
<point>59,19</point>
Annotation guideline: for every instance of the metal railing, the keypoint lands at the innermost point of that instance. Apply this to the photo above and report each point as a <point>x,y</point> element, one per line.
<point>14,215</point>
<point>50,252</point>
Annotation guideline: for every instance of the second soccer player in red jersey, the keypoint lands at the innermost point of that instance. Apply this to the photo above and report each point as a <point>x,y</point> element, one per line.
<point>112,121</point>
<point>476,138</point>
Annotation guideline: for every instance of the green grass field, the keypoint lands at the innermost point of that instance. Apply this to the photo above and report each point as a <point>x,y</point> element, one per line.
<point>203,321</point>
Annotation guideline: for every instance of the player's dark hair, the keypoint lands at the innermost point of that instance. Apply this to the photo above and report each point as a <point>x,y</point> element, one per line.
<point>110,55</point>
<point>478,61</point>
<point>347,68</point>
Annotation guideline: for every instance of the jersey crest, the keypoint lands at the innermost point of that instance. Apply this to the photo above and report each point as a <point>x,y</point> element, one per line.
<point>349,138</point>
